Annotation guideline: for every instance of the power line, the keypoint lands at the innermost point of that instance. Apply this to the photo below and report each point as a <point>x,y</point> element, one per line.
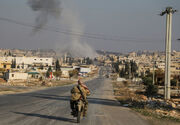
<point>72,33</point>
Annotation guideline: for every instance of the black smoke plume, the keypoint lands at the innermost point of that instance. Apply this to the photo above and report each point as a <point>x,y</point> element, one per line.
<point>46,9</point>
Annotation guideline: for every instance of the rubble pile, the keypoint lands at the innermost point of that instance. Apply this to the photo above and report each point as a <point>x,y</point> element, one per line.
<point>128,98</point>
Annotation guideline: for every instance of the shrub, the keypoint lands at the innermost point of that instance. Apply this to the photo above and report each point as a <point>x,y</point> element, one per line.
<point>173,82</point>
<point>147,80</point>
<point>151,90</point>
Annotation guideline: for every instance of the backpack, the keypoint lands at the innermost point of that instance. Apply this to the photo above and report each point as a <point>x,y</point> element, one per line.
<point>75,94</point>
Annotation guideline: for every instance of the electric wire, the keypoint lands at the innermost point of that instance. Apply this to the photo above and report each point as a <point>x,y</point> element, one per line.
<point>74,33</point>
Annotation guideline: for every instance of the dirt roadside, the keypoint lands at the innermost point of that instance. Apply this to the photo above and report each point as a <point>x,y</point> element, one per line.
<point>156,115</point>
<point>23,87</point>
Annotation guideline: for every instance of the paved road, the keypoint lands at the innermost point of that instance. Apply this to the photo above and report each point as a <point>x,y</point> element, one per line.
<point>51,107</point>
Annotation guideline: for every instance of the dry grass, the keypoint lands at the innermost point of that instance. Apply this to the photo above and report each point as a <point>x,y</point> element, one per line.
<point>21,87</point>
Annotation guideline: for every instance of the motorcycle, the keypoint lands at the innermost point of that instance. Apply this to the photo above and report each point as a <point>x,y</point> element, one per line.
<point>79,110</point>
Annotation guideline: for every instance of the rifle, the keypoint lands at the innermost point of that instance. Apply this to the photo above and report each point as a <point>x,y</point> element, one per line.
<point>81,93</point>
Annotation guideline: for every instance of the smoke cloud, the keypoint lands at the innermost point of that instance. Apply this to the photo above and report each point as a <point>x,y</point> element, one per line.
<point>51,9</point>
<point>77,47</point>
<point>46,9</point>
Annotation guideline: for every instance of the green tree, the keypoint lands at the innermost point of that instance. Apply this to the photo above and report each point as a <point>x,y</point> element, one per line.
<point>89,61</point>
<point>121,73</point>
<point>148,73</point>
<point>127,68</point>
<point>147,80</point>
<point>9,54</point>
<point>173,82</point>
<point>115,65</point>
<point>48,71</point>
<point>151,90</point>
<point>177,79</point>
<point>58,67</point>
<point>47,74</point>
<point>112,59</point>
<point>70,74</point>
<point>134,68</point>
<point>13,64</point>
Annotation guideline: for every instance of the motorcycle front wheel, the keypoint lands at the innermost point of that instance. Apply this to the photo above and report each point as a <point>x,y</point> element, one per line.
<point>78,116</point>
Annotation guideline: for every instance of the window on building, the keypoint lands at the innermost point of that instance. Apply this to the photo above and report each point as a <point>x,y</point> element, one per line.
<point>12,75</point>
<point>4,66</point>
<point>41,59</point>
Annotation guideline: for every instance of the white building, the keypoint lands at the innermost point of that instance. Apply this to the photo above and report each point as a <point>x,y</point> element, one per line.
<point>85,70</point>
<point>161,65</point>
<point>24,62</point>
<point>121,79</point>
<point>65,71</point>
<point>15,76</point>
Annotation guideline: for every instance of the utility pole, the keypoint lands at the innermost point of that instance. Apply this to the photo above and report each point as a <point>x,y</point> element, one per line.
<point>129,69</point>
<point>153,71</point>
<point>169,11</point>
<point>153,68</point>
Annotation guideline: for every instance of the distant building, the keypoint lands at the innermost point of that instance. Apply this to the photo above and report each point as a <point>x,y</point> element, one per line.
<point>33,75</point>
<point>65,71</point>
<point>161,65</point>
<point>121,79</point>
<point>15,76</point>
<point>132,54</point>
<point>5,65</point>
<point>85,70</point>
<point>25,62</point>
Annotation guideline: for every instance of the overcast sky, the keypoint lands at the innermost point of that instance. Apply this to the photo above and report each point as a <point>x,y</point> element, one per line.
<point>114,25</point>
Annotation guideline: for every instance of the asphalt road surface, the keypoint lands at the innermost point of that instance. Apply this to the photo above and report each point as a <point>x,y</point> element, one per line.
<point>51,107</point>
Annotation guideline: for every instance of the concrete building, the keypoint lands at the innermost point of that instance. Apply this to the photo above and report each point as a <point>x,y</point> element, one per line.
<point>65,71</point>
<point>25,62</point>
<point>15,76</point>
<point>85,70</point>
<point>5,65</point>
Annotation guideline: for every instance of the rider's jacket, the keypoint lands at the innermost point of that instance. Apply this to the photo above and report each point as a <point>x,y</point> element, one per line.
<point>75,92</point>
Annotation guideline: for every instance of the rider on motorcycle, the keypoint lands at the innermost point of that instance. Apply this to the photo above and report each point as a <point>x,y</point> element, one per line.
<point>77,94</point>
